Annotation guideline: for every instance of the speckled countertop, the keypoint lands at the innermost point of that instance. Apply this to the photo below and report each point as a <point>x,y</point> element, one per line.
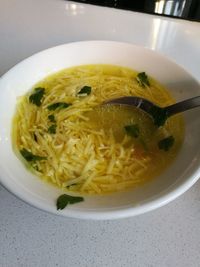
<point>169,236</point>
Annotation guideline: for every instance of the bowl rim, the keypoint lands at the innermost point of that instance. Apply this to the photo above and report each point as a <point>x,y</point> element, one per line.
<point>117,213</point>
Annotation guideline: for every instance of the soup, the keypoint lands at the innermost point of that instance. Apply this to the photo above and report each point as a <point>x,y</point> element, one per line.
<point>64,135</point>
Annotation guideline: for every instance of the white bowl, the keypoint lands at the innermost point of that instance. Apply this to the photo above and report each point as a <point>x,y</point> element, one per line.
<point>180,176</point>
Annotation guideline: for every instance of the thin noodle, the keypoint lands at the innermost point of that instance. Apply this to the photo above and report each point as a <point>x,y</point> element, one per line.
<point>84,155</point>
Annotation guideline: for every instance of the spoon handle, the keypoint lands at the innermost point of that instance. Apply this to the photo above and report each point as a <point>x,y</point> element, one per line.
<point>183,106</point>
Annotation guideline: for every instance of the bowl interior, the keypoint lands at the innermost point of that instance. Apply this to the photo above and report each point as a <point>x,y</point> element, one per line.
<point>174,181</point>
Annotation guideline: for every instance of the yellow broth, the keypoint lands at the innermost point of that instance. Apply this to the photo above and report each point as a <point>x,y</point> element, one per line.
<point>85,147</point>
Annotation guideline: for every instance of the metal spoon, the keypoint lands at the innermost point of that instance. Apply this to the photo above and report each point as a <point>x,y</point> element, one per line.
<point>159,114</point>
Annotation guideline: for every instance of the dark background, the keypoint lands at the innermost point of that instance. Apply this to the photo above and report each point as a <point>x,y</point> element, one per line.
<point>185,9</point>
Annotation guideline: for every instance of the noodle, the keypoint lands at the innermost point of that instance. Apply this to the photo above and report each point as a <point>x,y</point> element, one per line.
<point>88,150</point>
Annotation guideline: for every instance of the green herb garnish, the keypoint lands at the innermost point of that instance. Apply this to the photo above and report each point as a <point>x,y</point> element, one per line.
<point>160,115</point>
<point>143,79</point>
<point>52,118</point>
<point>37,96</point>
<point>132,130</point>
<point>29,156</point>
<point>59,105</point>
<point>166,143</point>
<point>65,199</point>
<point>85,90</point>
<point>52,129</point>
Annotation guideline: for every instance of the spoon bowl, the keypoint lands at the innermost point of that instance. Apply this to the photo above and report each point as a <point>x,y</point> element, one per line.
<point>158,114</point>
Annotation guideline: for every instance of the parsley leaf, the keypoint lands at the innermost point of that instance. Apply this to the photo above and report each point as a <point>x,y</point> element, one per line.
<point>52,118</point>
<point>142,79</point>
<point>132,130</point>
<point>65,199</point>
<point>160,115</point>
<point>166,143</point>
<point>37,96</point>
<point>29,156</point>
<point>59,105</point>
<point>52,129</point>
<point>85,90</point>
